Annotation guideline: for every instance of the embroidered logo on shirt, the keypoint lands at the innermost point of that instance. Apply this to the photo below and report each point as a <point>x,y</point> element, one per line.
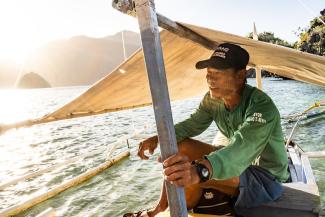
<point>257,117</point>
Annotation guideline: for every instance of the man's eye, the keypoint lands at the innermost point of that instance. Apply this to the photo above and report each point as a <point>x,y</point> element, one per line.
<point>211,76</point>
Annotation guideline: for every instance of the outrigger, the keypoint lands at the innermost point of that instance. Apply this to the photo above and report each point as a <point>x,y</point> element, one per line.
<point>300,198</point>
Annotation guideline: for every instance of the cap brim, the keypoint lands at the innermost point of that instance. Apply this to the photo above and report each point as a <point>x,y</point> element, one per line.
<point>216,63</point>
<point>202,64</point>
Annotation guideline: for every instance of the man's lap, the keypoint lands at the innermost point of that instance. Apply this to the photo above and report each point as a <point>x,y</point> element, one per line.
<point>257,186</point>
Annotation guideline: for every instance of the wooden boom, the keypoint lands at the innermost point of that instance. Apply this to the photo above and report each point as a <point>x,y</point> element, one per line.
<point>128,7</point>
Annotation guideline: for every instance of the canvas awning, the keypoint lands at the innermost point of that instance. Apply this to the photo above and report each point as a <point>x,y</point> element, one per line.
<point>127,86</point>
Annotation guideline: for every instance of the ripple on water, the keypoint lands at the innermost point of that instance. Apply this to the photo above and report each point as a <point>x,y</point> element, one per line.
<point>131,184</point>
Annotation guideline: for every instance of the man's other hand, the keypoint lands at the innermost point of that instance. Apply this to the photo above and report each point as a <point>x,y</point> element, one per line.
<point>149,144</point>
<point>179,171</point>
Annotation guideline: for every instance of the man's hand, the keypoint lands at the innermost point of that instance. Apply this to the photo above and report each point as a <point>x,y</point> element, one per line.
<point>179,171</point>
<point>149,144</point>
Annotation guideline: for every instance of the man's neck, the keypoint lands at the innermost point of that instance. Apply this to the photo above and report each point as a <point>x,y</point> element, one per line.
<point>232,100</point>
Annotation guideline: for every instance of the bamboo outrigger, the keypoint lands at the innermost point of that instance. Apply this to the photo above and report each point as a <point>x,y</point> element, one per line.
<point>300,198</point>
<point>18,208</point>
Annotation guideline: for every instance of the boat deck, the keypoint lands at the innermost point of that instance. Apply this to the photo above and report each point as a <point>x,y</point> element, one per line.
<point>166,214</point>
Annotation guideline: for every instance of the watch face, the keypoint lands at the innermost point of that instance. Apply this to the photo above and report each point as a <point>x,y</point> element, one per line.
<point>205,172</point>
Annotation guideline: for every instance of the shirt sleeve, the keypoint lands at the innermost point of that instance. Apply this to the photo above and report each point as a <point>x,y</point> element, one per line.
<point>248,141</point>
<point>198,122</point>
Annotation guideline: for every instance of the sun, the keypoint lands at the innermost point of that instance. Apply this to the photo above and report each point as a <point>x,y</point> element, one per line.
<point>18,36</point>
<point>14,49</point>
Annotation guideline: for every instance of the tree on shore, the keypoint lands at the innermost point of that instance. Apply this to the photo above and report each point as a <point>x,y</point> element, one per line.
<point>312,38</point>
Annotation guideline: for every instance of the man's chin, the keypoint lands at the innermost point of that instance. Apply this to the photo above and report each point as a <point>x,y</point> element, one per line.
<point>215,98</point>
<point>214,95</point>
<point>220,94</point>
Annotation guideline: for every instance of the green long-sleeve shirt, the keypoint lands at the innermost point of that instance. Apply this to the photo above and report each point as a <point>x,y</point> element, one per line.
<point>254,131</point>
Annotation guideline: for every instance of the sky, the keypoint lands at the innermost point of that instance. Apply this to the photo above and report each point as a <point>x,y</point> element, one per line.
<point>28,24</point>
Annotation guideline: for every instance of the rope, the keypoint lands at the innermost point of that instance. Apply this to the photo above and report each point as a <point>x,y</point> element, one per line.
<point>292,131</point>
<point>124,71</point>
<point>311,11</point>
<point>315,105</point>
<point>300,117</point>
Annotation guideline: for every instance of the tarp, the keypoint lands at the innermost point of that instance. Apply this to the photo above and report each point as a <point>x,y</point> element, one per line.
<point>127,86</point>
<point>280,60</point>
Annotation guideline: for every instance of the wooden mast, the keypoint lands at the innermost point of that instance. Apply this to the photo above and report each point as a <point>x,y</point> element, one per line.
<point>258,70</point>
<point>150,37</point>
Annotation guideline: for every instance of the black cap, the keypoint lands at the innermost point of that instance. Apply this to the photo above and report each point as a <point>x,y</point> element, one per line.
<point>226,56</point>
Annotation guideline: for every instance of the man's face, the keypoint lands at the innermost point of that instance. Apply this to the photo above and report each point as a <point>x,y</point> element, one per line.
<point>225,82</point>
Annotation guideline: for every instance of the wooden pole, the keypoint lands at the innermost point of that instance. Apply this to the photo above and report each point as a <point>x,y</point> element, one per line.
<point>258,73</point>
<point>148,23</point>
<point>16,209</point>
<point>315,154</point>
<point>255,35</point>
<point>258,77</point>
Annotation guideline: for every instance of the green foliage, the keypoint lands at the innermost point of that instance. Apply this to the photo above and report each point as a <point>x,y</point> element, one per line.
<point>312,38</point>
<point>271,38</point>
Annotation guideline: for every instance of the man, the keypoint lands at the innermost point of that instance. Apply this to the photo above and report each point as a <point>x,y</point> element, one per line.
<point>254,162</point>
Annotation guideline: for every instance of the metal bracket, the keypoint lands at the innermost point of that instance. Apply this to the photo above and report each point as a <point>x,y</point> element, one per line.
<point>125,6</point>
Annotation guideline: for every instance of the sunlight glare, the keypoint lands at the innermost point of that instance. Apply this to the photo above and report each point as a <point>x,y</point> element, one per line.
<point>13,106</point>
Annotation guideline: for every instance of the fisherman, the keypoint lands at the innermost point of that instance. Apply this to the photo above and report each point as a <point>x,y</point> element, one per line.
<point>250,168</point>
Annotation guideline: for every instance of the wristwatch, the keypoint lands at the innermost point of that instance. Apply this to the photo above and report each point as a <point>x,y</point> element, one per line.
<point>202,171</point>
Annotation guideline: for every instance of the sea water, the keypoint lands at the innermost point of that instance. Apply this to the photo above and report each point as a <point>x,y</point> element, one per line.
<point>132,184</point>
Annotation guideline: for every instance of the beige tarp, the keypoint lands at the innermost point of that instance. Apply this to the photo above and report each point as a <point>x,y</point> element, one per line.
<point>274,58</point>
<point>130,89</point>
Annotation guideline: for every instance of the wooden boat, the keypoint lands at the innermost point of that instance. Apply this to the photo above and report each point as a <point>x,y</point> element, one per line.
<point>166,214</point>
<point>301,196</point>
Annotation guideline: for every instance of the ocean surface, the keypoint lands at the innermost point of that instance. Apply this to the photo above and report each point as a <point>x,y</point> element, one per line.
<point>132,184</point>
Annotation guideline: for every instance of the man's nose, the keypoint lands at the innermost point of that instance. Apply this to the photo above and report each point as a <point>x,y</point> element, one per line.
<point>211,78</point>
